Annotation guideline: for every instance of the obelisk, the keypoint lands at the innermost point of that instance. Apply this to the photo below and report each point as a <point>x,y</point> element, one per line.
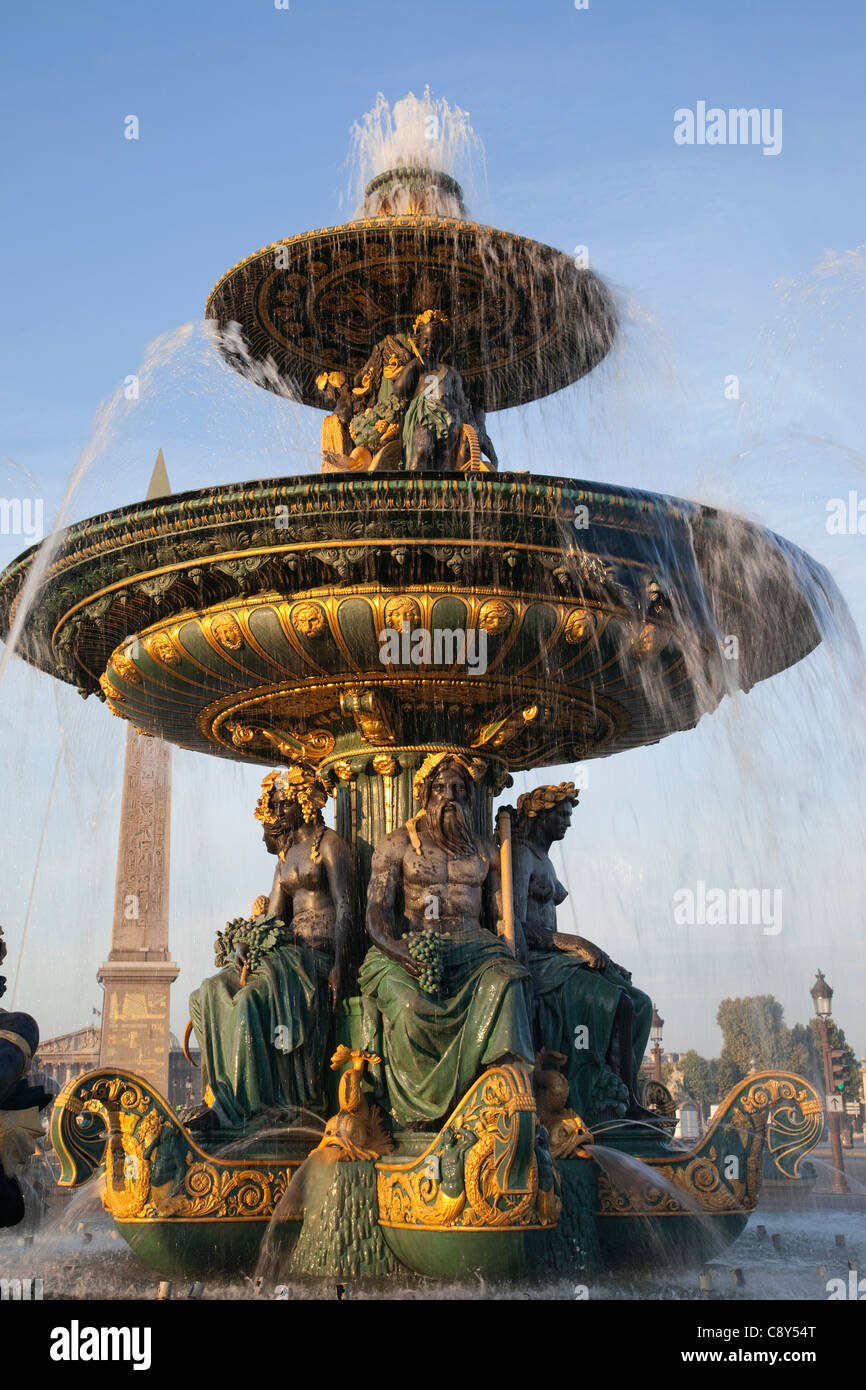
<point>138,974</point>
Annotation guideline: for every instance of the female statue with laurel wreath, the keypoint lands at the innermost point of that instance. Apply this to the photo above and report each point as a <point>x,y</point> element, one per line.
<point>265,1027</point>
<point>585,1006</point>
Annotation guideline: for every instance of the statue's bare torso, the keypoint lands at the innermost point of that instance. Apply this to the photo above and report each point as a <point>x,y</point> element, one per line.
<point>440,891</point>
<point>544,893</point>
<point>310,894</point>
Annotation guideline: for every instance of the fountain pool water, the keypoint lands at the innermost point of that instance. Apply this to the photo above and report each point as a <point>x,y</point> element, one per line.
<point>801,1269</point>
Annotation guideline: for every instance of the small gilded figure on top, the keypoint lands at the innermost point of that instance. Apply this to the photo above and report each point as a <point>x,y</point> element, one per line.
<point>441,431</point>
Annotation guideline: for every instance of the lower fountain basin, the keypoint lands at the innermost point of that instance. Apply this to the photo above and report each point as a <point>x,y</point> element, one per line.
<point>482,1192</point>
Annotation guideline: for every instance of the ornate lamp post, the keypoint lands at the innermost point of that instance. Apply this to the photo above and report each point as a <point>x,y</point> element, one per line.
<point>656,1027</point>
<point>822,997</point>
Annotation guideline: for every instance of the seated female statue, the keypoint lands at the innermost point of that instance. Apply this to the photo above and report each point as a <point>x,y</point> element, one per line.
<point>585,1005</point>
<point>265,1021</point>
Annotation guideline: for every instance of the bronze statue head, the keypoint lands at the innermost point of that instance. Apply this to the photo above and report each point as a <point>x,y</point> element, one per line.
<point>431,336</point>
<point>547,811</point>
<point>290,796</point>
<point>308,619</point>
<point>334,387</point>
<point>445,787</point>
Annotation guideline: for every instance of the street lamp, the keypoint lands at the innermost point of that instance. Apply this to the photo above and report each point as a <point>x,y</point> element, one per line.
<point>822,997</point>
<point>656,1027</point>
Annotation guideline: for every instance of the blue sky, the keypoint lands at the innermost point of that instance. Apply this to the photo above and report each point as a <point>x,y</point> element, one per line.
<point>724,260</point>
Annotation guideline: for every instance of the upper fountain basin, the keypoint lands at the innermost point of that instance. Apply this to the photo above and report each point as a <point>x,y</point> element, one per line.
<point>526,320</point>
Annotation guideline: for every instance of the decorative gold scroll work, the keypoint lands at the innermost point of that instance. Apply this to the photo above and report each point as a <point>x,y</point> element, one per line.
<point>153,1169</point>
<point>778,1107</point>
<point>481,1172</point>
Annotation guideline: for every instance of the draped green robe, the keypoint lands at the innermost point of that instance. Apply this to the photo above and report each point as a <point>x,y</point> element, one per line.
<point>267,1044</point>
<point>567,994</point>
<point>435,1046</point>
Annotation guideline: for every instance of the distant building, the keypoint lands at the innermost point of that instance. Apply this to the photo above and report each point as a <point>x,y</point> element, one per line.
<point>61,1059</point>
<point>688,1121</point>
<point>647,1066</point>
<point>184,1079</point>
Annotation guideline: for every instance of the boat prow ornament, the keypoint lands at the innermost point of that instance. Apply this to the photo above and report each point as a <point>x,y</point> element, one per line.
<point>710,1190</point>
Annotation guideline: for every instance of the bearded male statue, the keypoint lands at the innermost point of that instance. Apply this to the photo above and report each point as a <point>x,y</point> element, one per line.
<point>435,877</point>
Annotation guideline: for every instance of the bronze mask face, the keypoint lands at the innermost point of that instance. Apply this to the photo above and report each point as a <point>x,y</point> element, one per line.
<point>448,810</point>
<point>556,821</point>
<point>288,818</point>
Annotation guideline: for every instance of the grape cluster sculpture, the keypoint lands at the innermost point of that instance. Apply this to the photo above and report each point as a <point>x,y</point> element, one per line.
<point>426,950</point>
<point>259,938</point>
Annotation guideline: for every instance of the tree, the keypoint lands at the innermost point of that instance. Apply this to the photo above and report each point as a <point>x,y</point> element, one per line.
<point>754,1032</point>
<point>699,1079</point>
<point>756,1036</point>
<point>728,1074</point>
<point>806,1055</point>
